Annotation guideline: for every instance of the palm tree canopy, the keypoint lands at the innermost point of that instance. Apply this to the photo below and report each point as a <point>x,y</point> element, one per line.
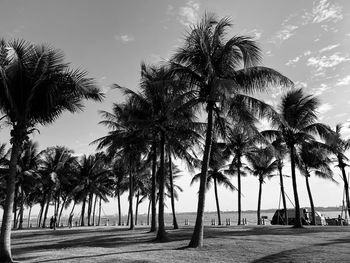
<point>262,162</point>
<point>36,85</point>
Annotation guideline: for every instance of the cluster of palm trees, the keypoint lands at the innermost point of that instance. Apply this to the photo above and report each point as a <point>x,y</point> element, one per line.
<point>210,77</point>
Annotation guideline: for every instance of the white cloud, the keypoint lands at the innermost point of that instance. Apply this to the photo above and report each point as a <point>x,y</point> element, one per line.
<point>324,11</point>
<point>124,38</point>
<point>344,81</point>
<point>320,90</point>
<point>255,33</point>
<point>330,47</point>
<point>291,62</point>
<point>300,84</point>
<point>322,62</point>
<point>188,14</point>
<point>285,33</point>
<point>307,53</point>
<point>323,108</point>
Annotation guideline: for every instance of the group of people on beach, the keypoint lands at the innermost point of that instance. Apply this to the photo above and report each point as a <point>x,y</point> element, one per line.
<point>53,221</point>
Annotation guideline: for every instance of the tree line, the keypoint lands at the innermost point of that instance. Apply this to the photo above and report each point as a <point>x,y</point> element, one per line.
<point>211,75</point>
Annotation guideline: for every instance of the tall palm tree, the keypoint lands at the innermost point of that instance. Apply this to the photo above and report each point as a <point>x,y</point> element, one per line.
<point>216,68</point>
<point>36,87</point>
<point>339,146</point>
<point>125,140</point>
<point>217,163</point>
<point>262,166</point>
<point>162,112</point>
<point>313,157</point>
<point>296,124</point>
<point>280,151</point>
<point>241,141</point>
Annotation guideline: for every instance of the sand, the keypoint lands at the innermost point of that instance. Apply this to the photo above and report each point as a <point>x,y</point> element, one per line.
<point>222,244</point>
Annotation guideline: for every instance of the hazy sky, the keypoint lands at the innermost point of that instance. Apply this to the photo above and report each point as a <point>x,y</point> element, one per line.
<point>308,41</point>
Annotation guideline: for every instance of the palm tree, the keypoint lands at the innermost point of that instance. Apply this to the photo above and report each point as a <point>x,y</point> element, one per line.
<point>240,142</point>
<point>216,69</point>
<point>262,166</point>
<point>313,157</point>
<point>162,112</point>
<point>119,171</point>
<point>124,140</point>
<point>36,87</point>
<point>280,151</point>
<point>296,124</point>
<point>338,146</point>
<point>217,162</point>
<point>94,179</point>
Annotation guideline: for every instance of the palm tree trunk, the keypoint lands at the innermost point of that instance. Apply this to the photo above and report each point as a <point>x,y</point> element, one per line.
<point>239,193</point>
<point>29,213</point>
<point>21,210</point>
<point>149,209</point>
<point>217,201</point>
<point>62,207</point>
<point>197,236</point>
<point>82,223</point>
<point>346,184</point>
<point>131,194</point>
<point>176,226</point>
<point>119,209</point>
<point>5,236</point>
<point>15,208</point>
<point>297,220</point>
<point>137,206</point>
<point>259,200</point>
<point>161,234</point>
<point>283,194</point>
<point>90,208</point>
<point>94,212</point>
<point>46,210</point>
<point>99,211</point>
<point>154,188</point>
<point>42,205</point>
<point>313,219</point>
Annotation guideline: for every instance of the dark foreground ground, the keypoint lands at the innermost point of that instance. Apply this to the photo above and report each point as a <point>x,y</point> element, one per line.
<point>222,244</point>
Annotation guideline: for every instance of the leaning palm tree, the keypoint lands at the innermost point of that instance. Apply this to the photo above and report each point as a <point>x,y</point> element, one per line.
<point>36,87</point>
<point>313,158</point>
<point>217,162</point>
<point>262,166</point>
<point>296,123</point>
<point>215,69</point>
<point>338,146</point>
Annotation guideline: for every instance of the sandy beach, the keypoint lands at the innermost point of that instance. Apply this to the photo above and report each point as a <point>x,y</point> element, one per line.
<point>222,244</point>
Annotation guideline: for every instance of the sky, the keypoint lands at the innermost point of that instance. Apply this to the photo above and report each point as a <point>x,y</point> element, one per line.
<point>308,41</point>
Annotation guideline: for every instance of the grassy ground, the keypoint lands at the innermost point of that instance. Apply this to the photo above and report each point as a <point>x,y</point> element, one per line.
<point>222,244</point>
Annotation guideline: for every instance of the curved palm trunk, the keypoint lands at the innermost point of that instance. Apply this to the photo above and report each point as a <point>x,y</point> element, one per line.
<point>217,201</point>
<point>21,210</point>
<point>42,205</point>
<point>94,212</point>
<point>239,193</point>
<point>15,207</point>
<point>5,236</point>
<point>82,222</point>
<point>259,200</point>
<point>137,206</point>
<point>131,194</point>
<point>99,212</point>
<point>297,221</point>
<point>313,219</point>
<point>176,226</point>
<point>283,194</point>
<point>154,189</point>
<point>91,196</point>
<point>161,234</point>
<point>346,184</point>
<point>149,210</point>
<point>197,236</point>
<point>119,209</point>
<point>29,213</point>
<point>46,210</point>
<point>62,207</point>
